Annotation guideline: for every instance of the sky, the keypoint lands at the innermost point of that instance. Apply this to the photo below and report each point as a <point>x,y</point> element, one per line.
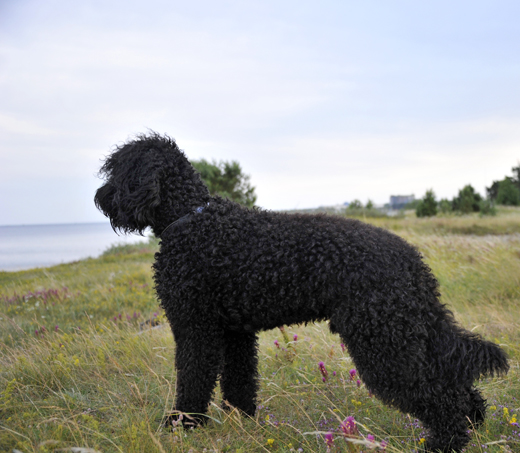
<point>320,102</point>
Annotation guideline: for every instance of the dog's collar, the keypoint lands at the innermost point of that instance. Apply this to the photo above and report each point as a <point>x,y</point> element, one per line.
<point>184,218</point>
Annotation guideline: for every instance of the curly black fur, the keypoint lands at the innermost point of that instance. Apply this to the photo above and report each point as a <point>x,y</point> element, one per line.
<point>229,272</point>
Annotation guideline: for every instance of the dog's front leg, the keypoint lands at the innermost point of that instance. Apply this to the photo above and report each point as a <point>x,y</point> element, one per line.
<point>198,361</point>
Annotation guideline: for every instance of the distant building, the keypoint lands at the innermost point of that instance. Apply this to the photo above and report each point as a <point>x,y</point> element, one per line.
<point>400,201</point>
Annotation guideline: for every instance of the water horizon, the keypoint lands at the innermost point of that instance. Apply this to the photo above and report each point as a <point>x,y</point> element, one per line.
<point>29,246</point>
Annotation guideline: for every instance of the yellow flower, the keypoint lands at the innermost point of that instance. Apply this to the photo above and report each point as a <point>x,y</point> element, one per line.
<point>270,442</point>
<point>422,440</point>
<point>267,418</point>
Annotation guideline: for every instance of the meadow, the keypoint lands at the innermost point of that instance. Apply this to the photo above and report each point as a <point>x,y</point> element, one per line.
<point>86,357</point>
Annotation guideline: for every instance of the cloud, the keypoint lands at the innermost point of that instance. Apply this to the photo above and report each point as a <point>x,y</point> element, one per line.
<point>319,104</point>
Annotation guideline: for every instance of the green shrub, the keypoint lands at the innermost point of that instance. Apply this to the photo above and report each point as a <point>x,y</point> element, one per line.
<point>445,206</point>
<point>508,194</point>
<point>427,207</point>
<point>467,200</point>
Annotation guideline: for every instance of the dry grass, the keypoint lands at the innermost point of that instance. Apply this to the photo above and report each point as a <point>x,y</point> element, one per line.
<point>100,382</point>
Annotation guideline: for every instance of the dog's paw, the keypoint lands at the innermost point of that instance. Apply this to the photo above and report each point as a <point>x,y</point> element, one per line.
<point>178,418</point>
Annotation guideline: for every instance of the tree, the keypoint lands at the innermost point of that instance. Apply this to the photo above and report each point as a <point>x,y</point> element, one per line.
<point>467,200</point>
<point>369,205</point>
<point>516,176</point>
<point>492,191</point>
<point>227,180</point>
<point>508,193</point>
<point>445,206</point>
<point>427,207</point>
<point>356,204</point>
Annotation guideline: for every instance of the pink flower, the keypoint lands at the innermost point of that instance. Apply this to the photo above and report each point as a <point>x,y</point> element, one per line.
<point>323,371</point>
<point>352,374</point>
<point>349,427</point>
<point>329,439</point>
<point>342,347</point>
<point>277,344</point>
<point>295,338</point>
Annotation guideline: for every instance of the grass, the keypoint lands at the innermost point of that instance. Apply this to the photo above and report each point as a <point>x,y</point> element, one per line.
<point>80,366</point>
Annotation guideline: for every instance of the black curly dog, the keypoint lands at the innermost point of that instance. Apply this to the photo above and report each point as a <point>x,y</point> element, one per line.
<point>225,272</point>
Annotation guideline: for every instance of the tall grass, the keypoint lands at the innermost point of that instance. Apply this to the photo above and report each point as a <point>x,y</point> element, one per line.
<point>82,367</point>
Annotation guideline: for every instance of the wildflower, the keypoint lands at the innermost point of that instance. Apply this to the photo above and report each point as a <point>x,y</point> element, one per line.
<point>383,444</point>
<point>56,328</point>
<point>349,427</point>
<point>513,421</point>
<point>277,344</point>
<point>422,440</point>
<point>342,347</point>
<point>295,337</point>
<point>323,371</point>
<point>333,373</point>
<point>270,442</point>
<point>352,374</point>
<point>329,439</point>
<point>358,383</point>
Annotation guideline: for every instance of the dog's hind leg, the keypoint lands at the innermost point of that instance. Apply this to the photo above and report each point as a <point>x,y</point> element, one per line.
<point>478,408</point>
<point>239,380</point>
<point>392,360</point>
<point>445,416</point>
<point>198,361</point>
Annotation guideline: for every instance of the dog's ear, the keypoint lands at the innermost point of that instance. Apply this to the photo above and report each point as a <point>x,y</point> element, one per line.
<point>143,196</point>
<point>130,195</point>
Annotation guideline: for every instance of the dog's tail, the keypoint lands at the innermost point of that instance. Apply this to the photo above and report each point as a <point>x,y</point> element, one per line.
<point>480,357</point>
<point>492,358</point>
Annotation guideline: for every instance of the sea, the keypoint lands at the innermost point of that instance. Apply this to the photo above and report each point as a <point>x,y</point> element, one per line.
<point>29,246</point>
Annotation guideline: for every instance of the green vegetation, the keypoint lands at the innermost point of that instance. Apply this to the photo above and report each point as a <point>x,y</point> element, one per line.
<point>82,367</point>
<point>501,193</point>
<point>506,191</point>
<point>227,180</point>
<point>356,209</point>
<point>427,207</point>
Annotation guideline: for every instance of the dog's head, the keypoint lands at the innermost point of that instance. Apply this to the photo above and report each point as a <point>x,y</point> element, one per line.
<point>146,180</point>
